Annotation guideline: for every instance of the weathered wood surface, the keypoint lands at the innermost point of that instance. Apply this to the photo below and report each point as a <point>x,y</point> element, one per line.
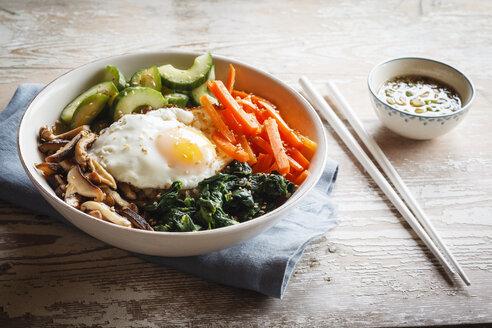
<point>369,271</point>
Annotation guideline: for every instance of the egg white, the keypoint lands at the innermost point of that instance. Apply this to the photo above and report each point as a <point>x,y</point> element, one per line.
<point>144,149</point>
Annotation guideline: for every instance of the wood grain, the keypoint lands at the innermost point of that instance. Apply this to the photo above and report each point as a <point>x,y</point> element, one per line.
<point>369,271</point>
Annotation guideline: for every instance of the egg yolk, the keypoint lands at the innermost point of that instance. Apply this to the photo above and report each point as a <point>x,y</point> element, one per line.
<point>184,147</point>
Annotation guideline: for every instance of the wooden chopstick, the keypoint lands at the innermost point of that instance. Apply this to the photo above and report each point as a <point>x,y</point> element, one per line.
<point>392,174</point>
<point>322,106</point>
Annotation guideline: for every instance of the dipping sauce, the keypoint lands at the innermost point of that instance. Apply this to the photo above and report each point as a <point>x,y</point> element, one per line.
<point>420,95</point>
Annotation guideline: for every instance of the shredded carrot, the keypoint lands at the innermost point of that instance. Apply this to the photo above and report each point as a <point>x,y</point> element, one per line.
<point>308,146</point>
<point>272,168</point>
<point>254,98</point>
<point>248,122</point>
<point>263,163</point>
<point>276,143</point>
<point>245,144</point>
<point>263,133</point>
<point>249,107</point>
<point>231,121</point>
<point>216,119</point>
<point>291,177</point>
<point>229,148</point>
<point>264,139</point>
<point>231,78</point>
<point>262,144</point>
<point>288,134</point>
<point>293,163</point>
<point>300,179</point>
<point>240,94</point>
<point>298,157</point>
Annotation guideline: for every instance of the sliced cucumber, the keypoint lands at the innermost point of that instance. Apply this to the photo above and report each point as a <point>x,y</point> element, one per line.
<point>178,99</point>
<point>198,92</point>
<point>148,77</point>
<point>108,88</point>
<point>88,109</point>
<point>114,75</point>
<point>166,91</point>
<point>131,99</point>
<point>179,80</point>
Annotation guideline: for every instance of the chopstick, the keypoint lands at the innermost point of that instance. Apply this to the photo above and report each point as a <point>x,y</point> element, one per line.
<point>369,166</point>
<point>392,174</point>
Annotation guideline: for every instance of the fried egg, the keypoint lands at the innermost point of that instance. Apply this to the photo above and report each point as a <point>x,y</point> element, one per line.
<point>155,149</point>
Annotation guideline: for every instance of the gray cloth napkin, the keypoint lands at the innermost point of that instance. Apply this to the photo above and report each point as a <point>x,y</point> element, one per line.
<point>263,263</point>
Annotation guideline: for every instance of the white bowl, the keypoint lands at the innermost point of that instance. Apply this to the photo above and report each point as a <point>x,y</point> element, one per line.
<point>419,126</point>
<point>45,110</point>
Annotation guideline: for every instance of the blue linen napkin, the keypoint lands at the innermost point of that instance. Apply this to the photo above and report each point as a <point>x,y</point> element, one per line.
<point>263,263</point>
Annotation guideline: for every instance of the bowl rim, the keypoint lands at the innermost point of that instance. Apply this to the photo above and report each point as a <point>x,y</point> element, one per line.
<point>312,179</point>
<point>434,61</point>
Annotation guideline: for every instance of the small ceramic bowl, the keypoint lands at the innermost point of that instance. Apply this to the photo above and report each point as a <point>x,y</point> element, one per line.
<point>419,126</point>
<point>45,110</point>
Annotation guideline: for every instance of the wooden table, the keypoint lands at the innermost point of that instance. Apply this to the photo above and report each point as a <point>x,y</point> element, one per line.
<point>369,271</point>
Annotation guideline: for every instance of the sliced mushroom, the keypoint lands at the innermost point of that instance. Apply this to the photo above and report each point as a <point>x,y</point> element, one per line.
<point>59,128</point>
<point>66,164</point>
<point>94,178</point>
<point>108,200</point>
<point>116,197</point>
<point>102,174</point>
<point>81,155</point>
<point>49,168</point>
<point>106,212</point>
<point>133,207</point>
<point>46,134</point>
<point>78,184</point>
<point>73,200</point>
<point>50,147</point>
<point>96,213</point>
<point>138,221</point>
<point>64,152</point>
<point>128,193</point>
<point>57,183</point>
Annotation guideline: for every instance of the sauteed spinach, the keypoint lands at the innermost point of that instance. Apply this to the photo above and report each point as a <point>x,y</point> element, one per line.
<point>232,196</point>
